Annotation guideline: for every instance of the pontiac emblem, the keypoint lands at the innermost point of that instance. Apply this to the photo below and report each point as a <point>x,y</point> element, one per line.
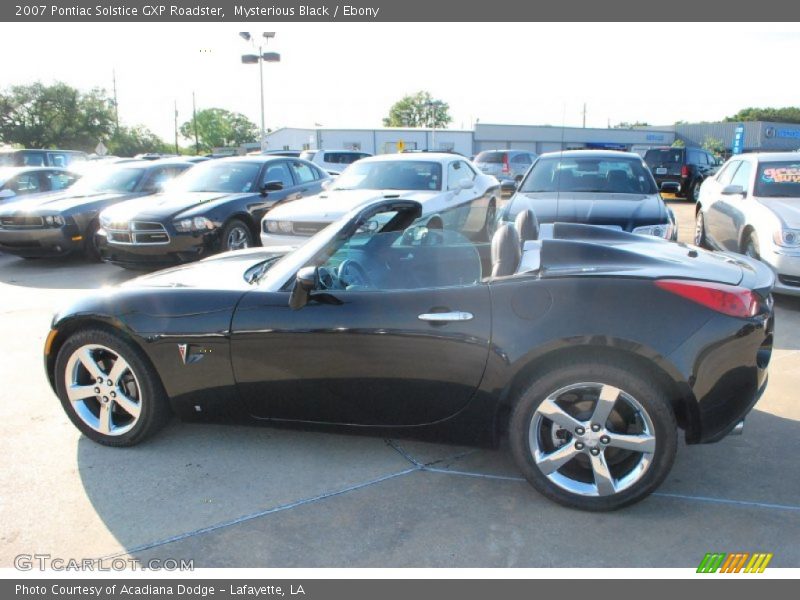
<point>182,349</point>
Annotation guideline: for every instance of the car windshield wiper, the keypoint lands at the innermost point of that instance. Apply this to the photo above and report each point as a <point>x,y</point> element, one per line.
<point>259,273</point>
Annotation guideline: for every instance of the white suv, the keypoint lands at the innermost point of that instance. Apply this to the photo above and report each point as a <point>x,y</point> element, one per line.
<point>333,161</point>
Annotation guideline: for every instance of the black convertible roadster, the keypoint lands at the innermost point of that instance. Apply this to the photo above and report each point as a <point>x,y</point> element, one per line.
<point>590,348</point>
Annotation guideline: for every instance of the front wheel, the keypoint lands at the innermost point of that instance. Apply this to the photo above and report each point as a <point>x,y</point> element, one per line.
<point>694,193</point>
<point>490,225</point>
<point>108,389</point>
<point>594,436</point>
<point>700,230</point>
<point>750,246</point>
<point>236,235</point>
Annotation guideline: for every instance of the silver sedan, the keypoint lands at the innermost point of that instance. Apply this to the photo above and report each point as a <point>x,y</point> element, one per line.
<point>752,206</point>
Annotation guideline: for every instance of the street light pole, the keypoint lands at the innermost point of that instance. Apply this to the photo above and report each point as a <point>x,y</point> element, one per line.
<point>261,80</point>
<point>260,58</point>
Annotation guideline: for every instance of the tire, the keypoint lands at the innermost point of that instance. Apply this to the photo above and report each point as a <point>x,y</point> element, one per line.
<point>694,191</point>
<point>236,235</point>
<point>641,409</point>
<point>135,403</point>
<point>90,250</point>
<point>750,246</point>
<point>700,230</point>
<point>490,225</point>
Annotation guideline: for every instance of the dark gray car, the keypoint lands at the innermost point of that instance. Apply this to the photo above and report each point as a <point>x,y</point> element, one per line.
<point>62,223</point>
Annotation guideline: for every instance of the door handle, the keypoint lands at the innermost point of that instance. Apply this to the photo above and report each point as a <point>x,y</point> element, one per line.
<point>443,317</point>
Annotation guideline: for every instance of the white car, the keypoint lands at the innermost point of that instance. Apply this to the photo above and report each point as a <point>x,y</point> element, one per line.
<point>752,206</point>
<point>453,193</point>
<point>333,161</point>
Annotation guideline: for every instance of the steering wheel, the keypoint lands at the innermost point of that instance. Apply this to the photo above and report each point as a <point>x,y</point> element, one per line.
<point>352,273</point>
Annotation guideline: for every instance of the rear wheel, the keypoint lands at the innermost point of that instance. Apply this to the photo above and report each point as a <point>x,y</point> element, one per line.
<point>490,225</point>
<point>90,248</point>
<point>108,389</point>
<point>595,435</point>
<point>694,191</point>
<point>700,230</point>
<point>750,246</point>
<point>236,235</point>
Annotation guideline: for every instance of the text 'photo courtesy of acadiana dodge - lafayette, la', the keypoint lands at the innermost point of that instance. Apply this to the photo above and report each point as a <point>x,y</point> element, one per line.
<point>157,10</point>
<point>155,589</point>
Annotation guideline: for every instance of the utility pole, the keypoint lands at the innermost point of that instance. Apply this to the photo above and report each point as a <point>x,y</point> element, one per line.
<point>116,105</point>
<point>584,115</point>
<point>194,126</point>
<point>177,150</point>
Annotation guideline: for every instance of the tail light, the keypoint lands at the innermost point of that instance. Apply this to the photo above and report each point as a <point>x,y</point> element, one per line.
<point>685,171</point>
<point>506,166</point>
<point>727,299</point>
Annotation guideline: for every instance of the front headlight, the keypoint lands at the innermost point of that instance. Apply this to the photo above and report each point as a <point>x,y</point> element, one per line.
<point>193,224</point>
<point>272,226</point>
<point>663,230</point>
<point>104,220</point>
<point>788,238</point>
<point>285,226</point>
<point>53,220</point>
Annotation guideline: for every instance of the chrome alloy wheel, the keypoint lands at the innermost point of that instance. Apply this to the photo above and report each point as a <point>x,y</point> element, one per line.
<point>592,439</point>
<point>238,238</point>
<point>699,229</point>
<point>103,389</point>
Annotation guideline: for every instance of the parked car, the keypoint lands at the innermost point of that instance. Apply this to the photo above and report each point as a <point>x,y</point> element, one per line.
<point>752,206</point>
<point>686,167</point>
<point>378,327</point>
<point>290,153</point>
<point>217,206</point>
<point>333,161</point>
<point>596,187</point>
<point>17,182</point>
<point>66,222</point>
<point>452,193</point>
<point>40,158</point>
<point>505,164</point>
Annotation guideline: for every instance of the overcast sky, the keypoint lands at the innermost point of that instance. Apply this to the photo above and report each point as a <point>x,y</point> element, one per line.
<point>348,75</point>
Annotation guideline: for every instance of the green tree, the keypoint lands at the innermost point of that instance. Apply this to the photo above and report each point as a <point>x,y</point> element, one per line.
<point>678,144</point>
<point>129,141</point>
<point>788,114</point>
<point>419,110</point>
<point>217,128</point>
<point>714,145</point>
<point>55,116</point>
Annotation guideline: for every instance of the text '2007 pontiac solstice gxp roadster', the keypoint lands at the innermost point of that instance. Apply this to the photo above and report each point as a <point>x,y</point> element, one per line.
<point>590,347</point>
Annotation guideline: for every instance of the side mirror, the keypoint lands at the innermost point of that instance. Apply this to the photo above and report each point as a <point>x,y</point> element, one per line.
<point>271,186</point>
<point>508,186</point>
<point>466,184</point>
<point>733,190</point>
<point>670,187</point>
<point>6,194</point>
<point>305,282</point>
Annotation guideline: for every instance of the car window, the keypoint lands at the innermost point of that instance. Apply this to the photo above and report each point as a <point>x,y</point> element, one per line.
<point>157,179</point>
<point>32,159</point>
<point>521,159</point>
<point>490,156</point>
<point>457,171</point>
<point>417,258</point>
<point>58,180</point>
<point>219,176</point>
<point>742,176</point>
<point>391,175</point>
<point>589,174</point>
<point>26,183</point>
<point>304,173</point>
<point>57,159</point>
<point>778,180</point>
<point>278,171</point>
<point>726,172</point>
<point>661,157</point>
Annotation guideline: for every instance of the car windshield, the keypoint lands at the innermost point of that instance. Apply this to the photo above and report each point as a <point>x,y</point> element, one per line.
<point>609,175</point>
<point>215,176</point>
<point>663,157</point>
<point>778,180</point>
<point>490,157</point>
<point>391,175</point>
<point>110,179</point>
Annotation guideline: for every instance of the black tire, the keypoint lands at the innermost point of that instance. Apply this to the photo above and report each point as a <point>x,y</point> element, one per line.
<point>700,230</point>
<point>154,409</point>
<point>241,230</point>
<point>650,397</point>
<point>90,250</point>
<point>490,225</point>
<point>694,191</point>
<point>750,245</point>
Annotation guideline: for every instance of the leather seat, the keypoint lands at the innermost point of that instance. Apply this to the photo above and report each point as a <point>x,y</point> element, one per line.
<point>527,225</point>
<point>506,251</point>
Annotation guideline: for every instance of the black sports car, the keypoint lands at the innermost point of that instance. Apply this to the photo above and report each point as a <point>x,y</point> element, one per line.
<point>61,223</point>
<point>217,207</point>
<point>591,348</point>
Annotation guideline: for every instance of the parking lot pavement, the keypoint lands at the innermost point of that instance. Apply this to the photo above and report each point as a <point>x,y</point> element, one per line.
<point>228,495</point>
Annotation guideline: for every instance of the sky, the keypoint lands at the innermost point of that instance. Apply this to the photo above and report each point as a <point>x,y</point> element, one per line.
<point>348,75</point>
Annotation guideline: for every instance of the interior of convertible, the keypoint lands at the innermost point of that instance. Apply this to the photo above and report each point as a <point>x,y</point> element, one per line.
<point>379,256</point>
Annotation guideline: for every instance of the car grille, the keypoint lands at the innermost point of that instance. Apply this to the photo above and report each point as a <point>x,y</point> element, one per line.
<point>308,228</point>
<point>791,280</point>
<point>21,222</point>
<point>137,233</point>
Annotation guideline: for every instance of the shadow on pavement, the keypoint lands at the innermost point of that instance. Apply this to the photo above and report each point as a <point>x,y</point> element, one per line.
<point>71,272</point>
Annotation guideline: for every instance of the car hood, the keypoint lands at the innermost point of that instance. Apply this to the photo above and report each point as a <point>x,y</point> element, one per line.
<point>332,204</point>
<point>60,202</point>
<point>165,206</point>
<point>627,211</point>
<point>786,209</point>
<point>220,272</point>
